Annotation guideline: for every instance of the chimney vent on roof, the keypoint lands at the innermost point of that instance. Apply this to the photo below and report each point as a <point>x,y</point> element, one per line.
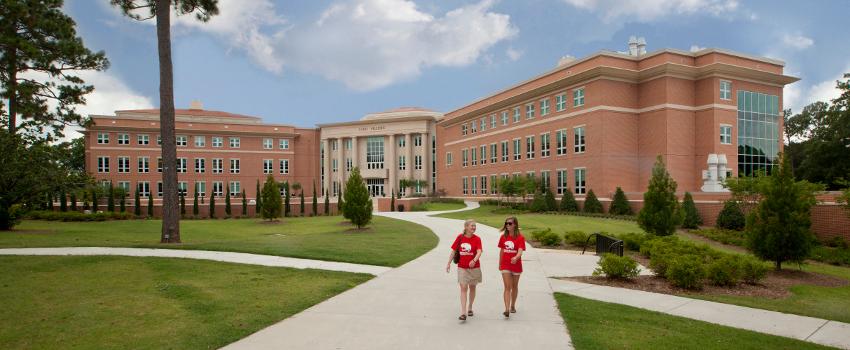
<point>633,50</point>
<point>565,60</point>
<point>641,45</point>
<point>196,105</point>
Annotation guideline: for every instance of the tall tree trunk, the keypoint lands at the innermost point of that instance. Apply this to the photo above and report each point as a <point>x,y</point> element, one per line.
<point>13,90</point>
<point>170,215</point>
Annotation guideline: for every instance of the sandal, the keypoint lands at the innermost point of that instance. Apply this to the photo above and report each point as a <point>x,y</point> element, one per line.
<point>507,314</point>
<point>470,313</point>
<point>462,318</point>
<point>513,311</point>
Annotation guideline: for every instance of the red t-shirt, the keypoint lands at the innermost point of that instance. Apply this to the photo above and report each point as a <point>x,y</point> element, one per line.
<point>469,246</point>
<point>510,247</point>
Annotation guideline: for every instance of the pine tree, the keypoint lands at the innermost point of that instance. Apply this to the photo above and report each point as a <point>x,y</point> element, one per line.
<point>340,203</point>
<point>392,201</point>
<point>195,209</point>
<point>63,201</point>
<point>691,218</point>
<point>110,202</point>
<point>358,205</point>
<point>328,204</point>
<point>549,198</point>
<point>182,204</point>
<point>592,204</point>
<point>731,217</point>
<point>137,209</point>
<point>150,206</point>
<point>286,200</point>
<point>259,200</point>
<point>271,199</point>
<point>227,203</point>
<point>568,202</point>
<point>244,204</point>
<point>85,201</point>
<point>123,205</point>
<point>212,205</point>
<point>94,200</point>
<point>315,201</point>
<point>50,201</point>
<point>620,205</point>
<point>73,201</point>
<point>660,213</point>
<point>778,228</point>
<point>301,195</point>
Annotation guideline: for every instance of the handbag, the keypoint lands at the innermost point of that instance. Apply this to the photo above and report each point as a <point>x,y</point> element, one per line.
<point>457,251</point>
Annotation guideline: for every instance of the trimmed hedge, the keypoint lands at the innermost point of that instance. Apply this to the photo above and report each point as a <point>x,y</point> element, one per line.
<point>579,239</point>
<point>546,237</point>
<point>686,271</point>
<point>77,216</point>
<point>731,237</point>
<point>616,267</point>
<point>731,217</point>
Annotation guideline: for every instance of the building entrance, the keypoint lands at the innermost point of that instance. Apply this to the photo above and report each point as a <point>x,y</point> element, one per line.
<point>375,187</point>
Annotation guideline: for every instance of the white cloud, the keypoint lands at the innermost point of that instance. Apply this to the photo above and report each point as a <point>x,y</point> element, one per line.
<point>369,44</point>
<point>797,96</point>
<point>797,41</point>
<point>695,48</point>
<point>648,10</point>
<point>514,54</point>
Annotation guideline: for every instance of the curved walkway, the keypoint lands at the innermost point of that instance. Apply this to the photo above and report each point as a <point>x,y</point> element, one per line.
<point>239,258</point>
<point>415,306</point>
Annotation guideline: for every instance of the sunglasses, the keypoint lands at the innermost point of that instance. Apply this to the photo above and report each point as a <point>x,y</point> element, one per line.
<point>509,223</point>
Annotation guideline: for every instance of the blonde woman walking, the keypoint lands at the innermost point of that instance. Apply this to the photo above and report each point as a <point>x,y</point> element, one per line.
<point>511,245</point>
<point>468,247</point>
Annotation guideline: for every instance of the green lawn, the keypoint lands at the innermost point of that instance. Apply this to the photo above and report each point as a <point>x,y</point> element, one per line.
<point>598,325</point>
<point>438,206</point>
<point>387,242</point>
<point>495,217</point>
<point>107,302</point>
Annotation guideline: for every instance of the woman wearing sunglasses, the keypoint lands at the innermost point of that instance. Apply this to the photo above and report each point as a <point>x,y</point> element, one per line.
<point>511,246</point>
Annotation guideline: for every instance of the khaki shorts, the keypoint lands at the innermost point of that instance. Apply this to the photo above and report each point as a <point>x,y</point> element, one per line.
<point>510,272</point>
<point>469,276</point>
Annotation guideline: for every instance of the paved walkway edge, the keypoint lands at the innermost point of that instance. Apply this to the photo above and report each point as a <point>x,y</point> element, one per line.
<point>810,329</point>
<point>230,257</point>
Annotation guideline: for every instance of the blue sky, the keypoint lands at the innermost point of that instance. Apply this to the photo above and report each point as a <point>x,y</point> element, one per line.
<point>309,62</point>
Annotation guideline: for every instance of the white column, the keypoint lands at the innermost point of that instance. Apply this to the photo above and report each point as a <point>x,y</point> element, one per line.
<point>392,163</point>
<point>355,155</point>
<point>327,165</point>
<point>340,162</point>
<point>426,160</point>
<point>408,172</point>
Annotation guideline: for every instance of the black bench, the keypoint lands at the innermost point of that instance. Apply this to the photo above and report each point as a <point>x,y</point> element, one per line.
<point>605,244</point>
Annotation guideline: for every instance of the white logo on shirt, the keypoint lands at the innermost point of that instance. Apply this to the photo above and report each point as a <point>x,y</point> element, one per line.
<point>465,247</point>
<point>509,245</point>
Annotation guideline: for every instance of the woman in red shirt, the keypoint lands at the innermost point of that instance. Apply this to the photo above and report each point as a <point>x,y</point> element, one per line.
<point>511,246</point>
<point>468,245</point>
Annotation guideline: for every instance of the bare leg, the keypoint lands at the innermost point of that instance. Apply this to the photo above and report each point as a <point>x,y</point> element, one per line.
<point>514,292</point>
<point>507,280</point>
<point>471,295</point>
<point>463,292</point>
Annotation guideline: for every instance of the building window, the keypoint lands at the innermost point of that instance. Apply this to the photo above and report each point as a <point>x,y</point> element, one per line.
<point>529,111</point>
<point>465,185</point>
<point>159,164</point>
<point>504,151</point>
<point>544,179</point>
<point>516,114</point>
<point>517,150</point>
<point>417,162</point>
<point>474,185</point>
<point>483,185</point>
<point>182,140</point>
<point>234,142</point>
<point>472,126</point>
<point>218,188</point>
<point>465,157</point>
<point>217,165</point>
<point>561,139</point>
<point>493,121</point>
<point>143,139</point>
<point>463,129</point>
<point>124,164</point>
<point>560,102</point>
<point>234,166</point>
<point>103,164</point>
<point>348,164</point>
<point>348,143</point>
<point>144,188</point>
<point>159,140</point>
<point>474,153</point>
<point>144,165</point>
<point>544,145</point>
<point>334,165</point>
<point>483,123</point>
<point>200,165</point>
<point>529,147</point>
<point>182,165</point>
<point>268,143</point>
<point>494,156</point>
<point>123,139</point>
<point>483,150</point>
<point>283,144</point>
<point>401,142</point>
<point>181,187</point>
<point>159,189</point>
<point>102,138</point>
<point>493,184</point>
<point>578,97</point>
<point>235,188</point>
<point>201,188</point>
<point>124,186</point>
<point>334,145</point>
<point>726,134</point>
<point>267,166</point>
<point>284,166</point>
<point>375,152</point>
<point>562,182</point>
<point>578,133</point>
<point>504,117</point>
<point>217,141</point>
<point>417,140</point>
<point>758,132</point>
<point>544,107</point>
<point>401,163</point>
<point>725,90</point>
<point>200,141</point>
<point>580,180</point>
<point>448,158</point>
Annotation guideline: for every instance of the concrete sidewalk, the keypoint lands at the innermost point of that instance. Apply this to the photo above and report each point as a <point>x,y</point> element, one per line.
<point>239,258</point>
<point>815,330</point>
<point>415,306</point>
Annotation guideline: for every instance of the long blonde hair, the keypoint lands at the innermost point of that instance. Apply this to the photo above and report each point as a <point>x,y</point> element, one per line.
<point>466,225</point>
<point>516,227</point>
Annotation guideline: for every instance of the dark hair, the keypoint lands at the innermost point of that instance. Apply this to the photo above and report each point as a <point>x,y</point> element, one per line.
<point>516,226</point>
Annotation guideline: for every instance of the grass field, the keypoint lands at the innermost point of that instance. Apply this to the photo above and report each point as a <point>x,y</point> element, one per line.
<point>107,302</point>
<point>386,242</point>
<point>438,206</point>
<point>598,325</point>
<point>495,217</point>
